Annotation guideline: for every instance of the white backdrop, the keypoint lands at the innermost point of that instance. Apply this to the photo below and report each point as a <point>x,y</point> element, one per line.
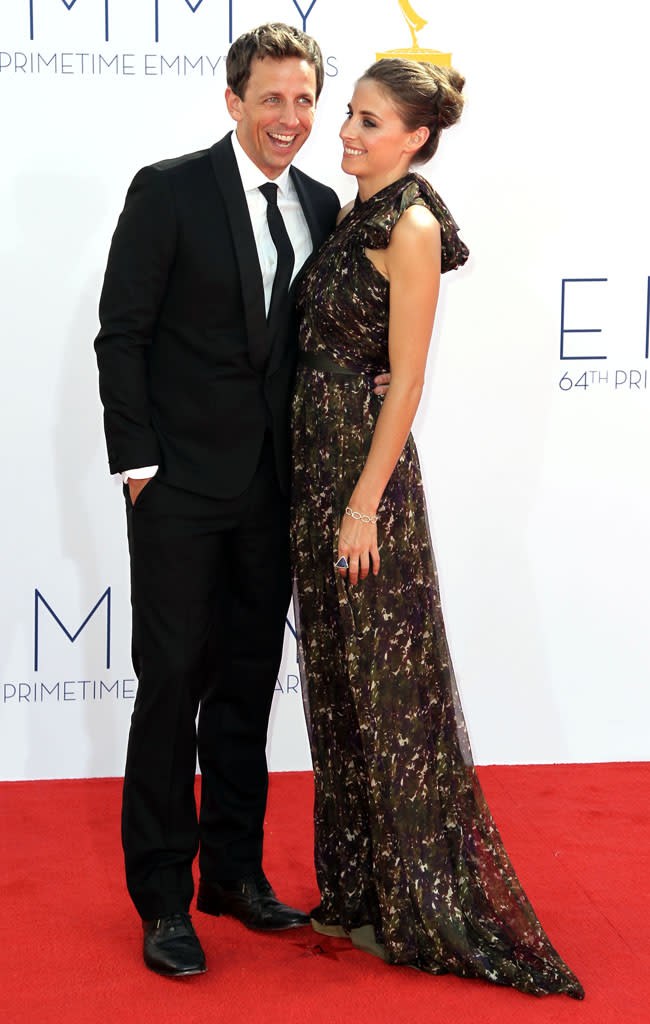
<point>536,465</point>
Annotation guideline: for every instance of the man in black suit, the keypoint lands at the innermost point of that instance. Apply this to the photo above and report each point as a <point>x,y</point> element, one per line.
<point>196,355</point>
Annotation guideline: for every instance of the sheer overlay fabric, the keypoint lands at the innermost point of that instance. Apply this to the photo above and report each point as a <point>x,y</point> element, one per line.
<point>404,840</point>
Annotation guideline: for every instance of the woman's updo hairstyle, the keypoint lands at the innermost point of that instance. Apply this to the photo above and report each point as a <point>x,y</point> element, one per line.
<point>423,94</point>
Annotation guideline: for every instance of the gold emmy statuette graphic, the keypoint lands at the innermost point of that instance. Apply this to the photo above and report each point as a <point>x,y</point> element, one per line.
<point>416,24</point>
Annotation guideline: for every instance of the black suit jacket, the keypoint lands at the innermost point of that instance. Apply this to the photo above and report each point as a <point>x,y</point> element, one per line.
<point>181,302</point>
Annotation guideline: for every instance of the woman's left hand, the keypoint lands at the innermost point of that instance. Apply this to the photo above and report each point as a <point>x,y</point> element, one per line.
<point>358,544</point>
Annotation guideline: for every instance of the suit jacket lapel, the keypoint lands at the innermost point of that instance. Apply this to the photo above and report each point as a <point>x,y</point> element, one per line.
<point>318,234</point>
<point>315,229</point>
<point>229,181</point>
<point>319,228</point>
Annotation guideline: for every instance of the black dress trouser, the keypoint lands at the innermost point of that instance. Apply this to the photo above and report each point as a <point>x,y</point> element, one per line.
<point>209,593</point>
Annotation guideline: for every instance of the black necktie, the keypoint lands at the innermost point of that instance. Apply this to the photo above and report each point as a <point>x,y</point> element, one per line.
<point>282,243</point>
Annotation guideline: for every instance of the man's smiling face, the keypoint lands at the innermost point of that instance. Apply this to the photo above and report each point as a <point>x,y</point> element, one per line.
<point>275,116</point>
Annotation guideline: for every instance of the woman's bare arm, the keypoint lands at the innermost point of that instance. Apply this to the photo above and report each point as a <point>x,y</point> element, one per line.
<point>412,265</point>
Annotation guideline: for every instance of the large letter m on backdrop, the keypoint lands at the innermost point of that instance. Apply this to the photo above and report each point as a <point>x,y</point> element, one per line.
<point>68,4</point>
<point>156,7</point>
<point>193,6</point>
<point>40,600</point>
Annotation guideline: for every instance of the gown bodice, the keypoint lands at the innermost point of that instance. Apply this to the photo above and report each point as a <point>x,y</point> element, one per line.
<point>342,298</point>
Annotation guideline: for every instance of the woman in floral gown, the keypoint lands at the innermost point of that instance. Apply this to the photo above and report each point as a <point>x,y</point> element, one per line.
<point>409,861</point>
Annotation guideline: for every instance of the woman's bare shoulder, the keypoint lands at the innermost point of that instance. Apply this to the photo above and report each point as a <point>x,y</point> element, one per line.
<point>345,211</point>
<point>417,220</point>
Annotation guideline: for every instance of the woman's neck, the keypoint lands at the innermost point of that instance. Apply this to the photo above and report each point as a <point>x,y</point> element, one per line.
<point>369,187</point>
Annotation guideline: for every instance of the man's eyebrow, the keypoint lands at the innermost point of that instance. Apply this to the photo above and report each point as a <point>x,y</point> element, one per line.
<point>278,92</point>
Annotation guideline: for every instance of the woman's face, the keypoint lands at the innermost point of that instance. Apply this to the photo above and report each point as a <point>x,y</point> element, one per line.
<point>376,145</point>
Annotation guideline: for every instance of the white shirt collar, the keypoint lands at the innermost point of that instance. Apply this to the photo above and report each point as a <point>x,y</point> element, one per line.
<point>251,176</point>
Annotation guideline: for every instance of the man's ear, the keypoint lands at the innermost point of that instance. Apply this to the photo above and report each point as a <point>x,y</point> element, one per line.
<point>233,103</point>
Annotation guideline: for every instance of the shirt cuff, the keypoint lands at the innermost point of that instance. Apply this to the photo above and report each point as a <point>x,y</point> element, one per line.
<point>139,474</point>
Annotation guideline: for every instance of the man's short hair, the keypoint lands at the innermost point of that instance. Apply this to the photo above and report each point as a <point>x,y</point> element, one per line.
<point>276,41</point>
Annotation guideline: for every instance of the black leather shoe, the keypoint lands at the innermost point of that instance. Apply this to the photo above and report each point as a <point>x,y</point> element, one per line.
<point>251,900</point>
<point>171,946</point>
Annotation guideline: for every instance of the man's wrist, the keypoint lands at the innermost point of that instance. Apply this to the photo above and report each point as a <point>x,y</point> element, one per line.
<point>143,473</point>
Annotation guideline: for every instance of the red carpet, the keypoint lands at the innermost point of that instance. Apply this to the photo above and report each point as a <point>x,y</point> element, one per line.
<point>579,837</point>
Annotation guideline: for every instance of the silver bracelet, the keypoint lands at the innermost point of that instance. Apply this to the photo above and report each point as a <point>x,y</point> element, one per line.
<point>360,516</point>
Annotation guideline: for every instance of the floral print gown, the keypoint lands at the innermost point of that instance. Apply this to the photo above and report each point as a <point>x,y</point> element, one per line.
<point>404,838</point>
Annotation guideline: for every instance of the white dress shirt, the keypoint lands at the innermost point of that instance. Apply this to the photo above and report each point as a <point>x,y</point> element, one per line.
<point>288,204</point>
<point>297,229</point>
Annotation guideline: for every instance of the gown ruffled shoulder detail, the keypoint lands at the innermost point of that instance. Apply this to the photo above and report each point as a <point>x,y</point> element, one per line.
<point>379,214</point>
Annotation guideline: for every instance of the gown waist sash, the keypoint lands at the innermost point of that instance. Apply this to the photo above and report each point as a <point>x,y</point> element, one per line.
<point>321,361</point>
